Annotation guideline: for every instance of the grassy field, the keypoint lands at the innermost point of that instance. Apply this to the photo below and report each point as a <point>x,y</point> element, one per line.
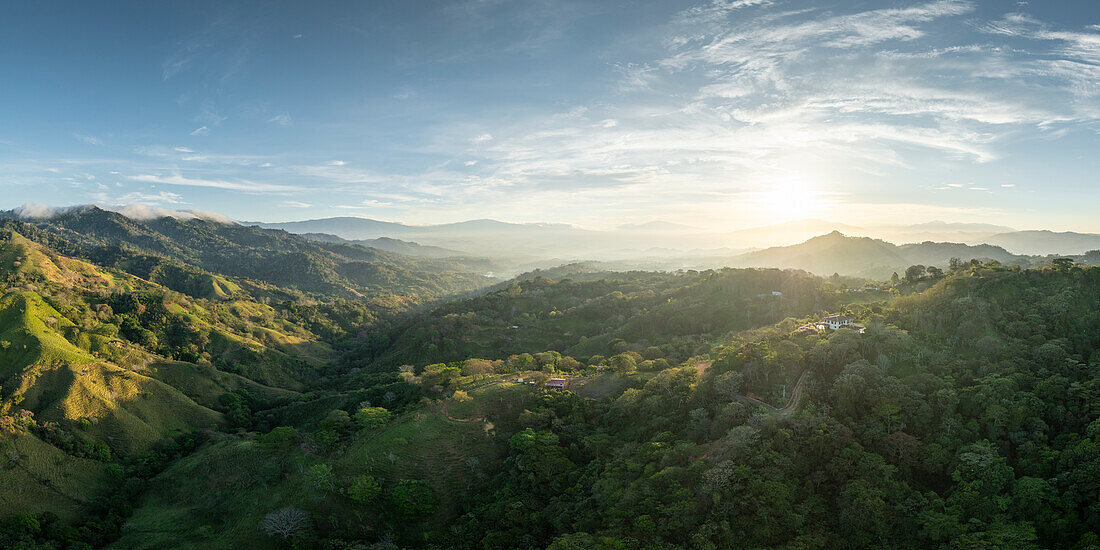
<point>37,477</point>
<point>125,409</point>
<point>29,335</point>
<point>204,384</point>
<point>218,494</point>
<point>608,384</point>
<point>489,396</point>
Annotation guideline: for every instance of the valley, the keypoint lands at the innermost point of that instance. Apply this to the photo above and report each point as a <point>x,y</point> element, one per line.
<point>157,394</point>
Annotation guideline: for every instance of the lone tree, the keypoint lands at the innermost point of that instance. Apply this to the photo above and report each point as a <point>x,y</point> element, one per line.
<point>914,273</point>
<point>1061,265</point>
<point>285,522</point>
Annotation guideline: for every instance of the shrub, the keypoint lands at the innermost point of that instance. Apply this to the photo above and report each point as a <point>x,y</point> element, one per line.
<point>372,417</point>
<point>413,499</point>
<point>364,489</point>
<point>283,438</point>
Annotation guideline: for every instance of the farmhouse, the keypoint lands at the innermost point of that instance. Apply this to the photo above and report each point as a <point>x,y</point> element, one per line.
<point>556,384</point>
<point>834,322</point>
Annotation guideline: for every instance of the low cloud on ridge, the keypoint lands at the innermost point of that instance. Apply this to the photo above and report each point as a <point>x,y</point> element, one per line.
<point>141,212</point>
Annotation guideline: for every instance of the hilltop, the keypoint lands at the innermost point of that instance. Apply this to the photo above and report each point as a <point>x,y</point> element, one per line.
<point>872,258</point>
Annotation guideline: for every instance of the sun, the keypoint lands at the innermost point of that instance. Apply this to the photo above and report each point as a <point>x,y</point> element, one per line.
<point>791,197</point>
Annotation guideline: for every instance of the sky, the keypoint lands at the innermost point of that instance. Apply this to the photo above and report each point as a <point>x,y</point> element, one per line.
<point>723,114</point>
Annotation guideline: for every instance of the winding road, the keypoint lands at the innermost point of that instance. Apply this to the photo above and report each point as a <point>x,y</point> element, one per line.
<point>792,403</point>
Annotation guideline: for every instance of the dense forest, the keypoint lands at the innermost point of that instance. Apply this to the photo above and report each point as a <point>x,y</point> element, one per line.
<point>189,384</point>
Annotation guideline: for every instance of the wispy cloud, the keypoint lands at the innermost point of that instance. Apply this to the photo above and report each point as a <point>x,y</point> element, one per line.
<point>237,185</point>
<point>138,197</point>
<point>282,119</point>
<point>201,131</point>
<point>749,90</point>
<point>90,140</point>
<point>366,204</point>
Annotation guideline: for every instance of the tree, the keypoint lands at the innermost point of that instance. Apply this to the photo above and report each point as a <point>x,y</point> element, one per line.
<point>539,378</point>
<point>372,417</point>
<point>320,475</point>
<point>476,366</point>
<point>337,421</point>
<point>413,499</point>
<point>728,384</point>
<point>623,363</point>
<point>282,439</point>
<point>914,273</point>
<point>584,541</point>
<point>935,272</point>
<point>364,489</point>
<point>285,522</point>
<point>1061,265</point>
<point>521,362</point>
<point>894,279</point>
<point>567,364</point>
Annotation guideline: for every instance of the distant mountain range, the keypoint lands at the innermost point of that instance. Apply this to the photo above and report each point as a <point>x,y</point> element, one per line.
<point>867,257</point>
<point>346,227</point>
<point>505,249</point>
<point>389,245</point>
<point>1046,242</point>
<point>536,241</point>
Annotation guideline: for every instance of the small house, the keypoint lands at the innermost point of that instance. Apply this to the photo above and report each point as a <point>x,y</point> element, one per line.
<point>556,384</point>
<point>833,322</point>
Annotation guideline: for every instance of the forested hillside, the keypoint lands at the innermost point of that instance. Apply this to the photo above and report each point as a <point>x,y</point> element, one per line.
<point>603,313</point>
<point>176,252</point>
<point>195,405</point>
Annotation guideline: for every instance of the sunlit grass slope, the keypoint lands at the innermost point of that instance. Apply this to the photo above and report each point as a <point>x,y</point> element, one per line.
<point>45,373</point>
<point>28,335</point>
<point>127,410</point>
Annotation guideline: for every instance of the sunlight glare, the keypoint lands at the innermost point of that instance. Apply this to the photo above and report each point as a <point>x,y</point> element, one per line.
<point>790,197</point>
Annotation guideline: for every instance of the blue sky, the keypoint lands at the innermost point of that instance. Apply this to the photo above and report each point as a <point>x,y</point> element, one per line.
<point>722,114</point>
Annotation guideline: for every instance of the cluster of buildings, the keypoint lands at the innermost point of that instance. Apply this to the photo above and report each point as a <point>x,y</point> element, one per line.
<point>553,383</point>
<point>831,322</point>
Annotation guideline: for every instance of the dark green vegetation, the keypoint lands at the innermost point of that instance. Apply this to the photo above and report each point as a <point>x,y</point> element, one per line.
<point>584,314</point>
<point>183,384</point>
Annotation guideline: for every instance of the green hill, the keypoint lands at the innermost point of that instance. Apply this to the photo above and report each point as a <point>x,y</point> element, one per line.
<point>871,258</point>
<point>193,256</point>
